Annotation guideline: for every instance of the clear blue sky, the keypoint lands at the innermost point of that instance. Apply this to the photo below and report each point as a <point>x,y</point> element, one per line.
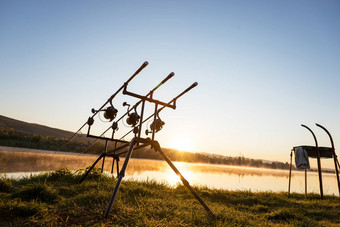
<point>263,67</point>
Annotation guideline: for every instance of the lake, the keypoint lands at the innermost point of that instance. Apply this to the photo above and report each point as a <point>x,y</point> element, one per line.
<point>21,162</point>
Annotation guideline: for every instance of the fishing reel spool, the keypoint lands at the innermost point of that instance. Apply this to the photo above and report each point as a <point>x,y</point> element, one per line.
<point>133,118</point>
<point>109,113</point>
<point>156,125</point>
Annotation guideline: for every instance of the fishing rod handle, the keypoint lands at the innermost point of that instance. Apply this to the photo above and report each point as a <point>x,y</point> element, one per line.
<point>186,90</point>
<point>138,71</point>
<point>110,99</point>
<point>168,77</point>
<point>125,84</point>
<point>161,83</point>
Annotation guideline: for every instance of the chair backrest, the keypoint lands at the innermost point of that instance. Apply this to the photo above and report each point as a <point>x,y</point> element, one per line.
<point>312,151</point>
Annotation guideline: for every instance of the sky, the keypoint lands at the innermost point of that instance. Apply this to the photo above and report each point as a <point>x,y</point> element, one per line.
<point>262,67</point>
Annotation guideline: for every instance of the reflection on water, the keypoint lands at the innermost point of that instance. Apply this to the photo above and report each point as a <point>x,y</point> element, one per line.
<point>18,162</point>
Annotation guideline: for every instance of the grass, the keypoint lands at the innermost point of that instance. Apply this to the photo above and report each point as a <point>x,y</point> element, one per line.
<point>57,199</point>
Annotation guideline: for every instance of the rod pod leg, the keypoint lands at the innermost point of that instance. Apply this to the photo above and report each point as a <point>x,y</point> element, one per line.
<point>117,165</point>
<point>157,147</point>
<point>113,163</point>
<point>105,151</point>
<point>120,178</point>
<point>93,165</point>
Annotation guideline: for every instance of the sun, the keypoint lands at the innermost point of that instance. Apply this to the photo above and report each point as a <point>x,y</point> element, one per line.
<point>182,144</point>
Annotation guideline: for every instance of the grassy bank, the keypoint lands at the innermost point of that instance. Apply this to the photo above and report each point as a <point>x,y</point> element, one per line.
<point>56,199</point>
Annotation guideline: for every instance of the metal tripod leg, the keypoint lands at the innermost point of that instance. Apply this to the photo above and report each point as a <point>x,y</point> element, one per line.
<point>105,151</point>
<point>120,178</point>
<point>185,182</point>
<point>155,146</point>
<point>117,162</point>
<point>89,170</point>
<point>113,163</point>
<point>115,159</point>
<point>104,154</point>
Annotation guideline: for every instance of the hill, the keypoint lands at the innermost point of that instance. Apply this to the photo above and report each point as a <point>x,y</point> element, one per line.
<point>17,133</point>
<point>36,129</point>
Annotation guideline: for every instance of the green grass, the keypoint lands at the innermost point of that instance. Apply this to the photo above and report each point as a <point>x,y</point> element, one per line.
<point>57,199</point>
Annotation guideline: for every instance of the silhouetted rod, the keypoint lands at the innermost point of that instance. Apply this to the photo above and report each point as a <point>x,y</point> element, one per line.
<point>163,81</point>
<point>172,101</point>
<point>186,90</point>
<point>140,101</point>
<point>121,88</point>
<point>133,76</point>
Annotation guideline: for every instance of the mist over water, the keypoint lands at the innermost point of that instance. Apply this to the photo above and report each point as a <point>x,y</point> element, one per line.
<point>20,162</point>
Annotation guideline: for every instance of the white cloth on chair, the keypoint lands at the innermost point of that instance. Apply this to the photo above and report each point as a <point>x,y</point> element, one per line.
<point>301,158</point>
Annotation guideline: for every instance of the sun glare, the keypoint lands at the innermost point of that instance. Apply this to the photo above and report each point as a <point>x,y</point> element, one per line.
<point>173,179</point>
<point>182,144</point>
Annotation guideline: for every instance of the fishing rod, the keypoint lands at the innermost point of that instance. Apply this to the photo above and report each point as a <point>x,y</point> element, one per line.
<point>136,105</point>
<point>152,115</point>
<point>156,126</point>
<point>167,104</point>
<point>109,100</point>
<point>135,120</point>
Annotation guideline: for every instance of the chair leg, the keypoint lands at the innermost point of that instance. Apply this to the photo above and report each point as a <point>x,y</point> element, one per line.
<point>305,183</point>
<point>336,164</point>
<point>290,172</point>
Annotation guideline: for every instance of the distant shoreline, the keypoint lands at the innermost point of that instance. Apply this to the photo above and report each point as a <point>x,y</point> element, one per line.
<point>39,151</point>
<point>34,150</point>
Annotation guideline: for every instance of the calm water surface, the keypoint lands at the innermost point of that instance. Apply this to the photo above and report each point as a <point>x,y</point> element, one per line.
<point>19,162</point>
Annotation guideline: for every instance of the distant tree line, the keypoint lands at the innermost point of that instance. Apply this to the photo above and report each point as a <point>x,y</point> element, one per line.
<point>12,138</point>
<point>175,155</point>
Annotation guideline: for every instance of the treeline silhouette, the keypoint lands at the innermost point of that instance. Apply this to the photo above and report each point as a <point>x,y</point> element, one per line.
<point>12,138</point>
<point>183,156</point>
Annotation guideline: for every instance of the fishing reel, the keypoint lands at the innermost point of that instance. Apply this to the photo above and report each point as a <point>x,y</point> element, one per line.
<point>156,125</point>
<point>133,118</point>
<point>109,113</point>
